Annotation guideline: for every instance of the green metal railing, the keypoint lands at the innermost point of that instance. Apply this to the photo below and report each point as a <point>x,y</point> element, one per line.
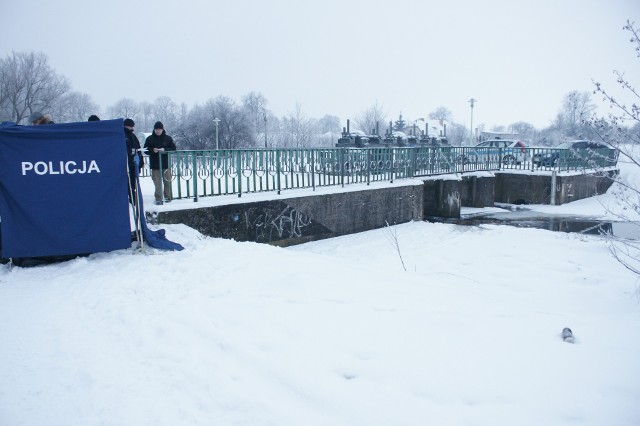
<point>196,174</point>
<point>571,160</point>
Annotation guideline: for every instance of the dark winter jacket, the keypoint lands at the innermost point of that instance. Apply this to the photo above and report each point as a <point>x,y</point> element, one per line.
<point>163,141</point>
<point>133,149</point>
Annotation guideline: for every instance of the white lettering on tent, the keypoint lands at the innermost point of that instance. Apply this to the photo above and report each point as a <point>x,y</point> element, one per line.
<point>40,167</point>
<point>68,168</point>
<point>93,167</point>
<point>63,167</point>
<point>26,167</point>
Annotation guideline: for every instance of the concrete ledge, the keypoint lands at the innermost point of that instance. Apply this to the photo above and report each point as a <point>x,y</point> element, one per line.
<point>538,188</point>
<point>579,186</point>
<point>297,220</point>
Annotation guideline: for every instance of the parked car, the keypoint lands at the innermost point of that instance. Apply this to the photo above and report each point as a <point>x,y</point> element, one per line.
<point>579,149</point>
<point>513,151</point>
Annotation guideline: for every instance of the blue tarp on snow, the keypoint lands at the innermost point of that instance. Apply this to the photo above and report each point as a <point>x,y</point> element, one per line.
<point>155,239</point>
<point>63,189</point>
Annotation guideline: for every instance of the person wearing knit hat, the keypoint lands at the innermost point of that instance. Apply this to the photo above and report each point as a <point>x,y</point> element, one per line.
<point>135,159</point>
<point>93,117</point>
<point>157,145</point>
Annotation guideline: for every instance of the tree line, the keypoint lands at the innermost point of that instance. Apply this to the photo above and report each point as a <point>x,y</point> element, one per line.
<point>28,84</point>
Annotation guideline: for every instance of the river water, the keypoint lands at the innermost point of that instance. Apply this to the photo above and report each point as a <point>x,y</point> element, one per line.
<point>550,222</point>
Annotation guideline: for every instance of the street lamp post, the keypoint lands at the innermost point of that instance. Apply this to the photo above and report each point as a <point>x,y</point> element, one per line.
<point>472,102</point>
<point>216,121</point>
<point>265,131</point>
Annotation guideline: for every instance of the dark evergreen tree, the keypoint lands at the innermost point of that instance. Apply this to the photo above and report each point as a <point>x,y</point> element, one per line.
<point>400,124</point>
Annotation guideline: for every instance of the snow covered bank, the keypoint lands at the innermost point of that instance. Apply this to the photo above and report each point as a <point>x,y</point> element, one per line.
<point>333,332</point>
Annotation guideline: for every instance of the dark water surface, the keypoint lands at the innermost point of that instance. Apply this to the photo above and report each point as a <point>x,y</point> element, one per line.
<point>550,222</point>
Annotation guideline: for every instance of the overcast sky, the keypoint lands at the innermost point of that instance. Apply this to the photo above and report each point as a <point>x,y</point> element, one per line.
<point>338,57</point>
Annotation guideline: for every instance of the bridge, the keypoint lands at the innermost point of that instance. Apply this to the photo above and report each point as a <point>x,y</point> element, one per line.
<point>325,192</point>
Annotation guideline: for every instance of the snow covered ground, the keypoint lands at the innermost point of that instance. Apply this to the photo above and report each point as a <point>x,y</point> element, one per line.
<point>334,332</point>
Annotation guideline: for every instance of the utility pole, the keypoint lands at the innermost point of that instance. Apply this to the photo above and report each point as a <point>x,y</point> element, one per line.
<point>216,121</point>
<point>265,130</point>
<point>472,102</point>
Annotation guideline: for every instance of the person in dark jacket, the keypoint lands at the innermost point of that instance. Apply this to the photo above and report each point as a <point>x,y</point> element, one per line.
<point>134,156</point>
<point>157,144</point>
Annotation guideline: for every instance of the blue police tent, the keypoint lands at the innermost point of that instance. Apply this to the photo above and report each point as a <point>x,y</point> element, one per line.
<point>63,189</point>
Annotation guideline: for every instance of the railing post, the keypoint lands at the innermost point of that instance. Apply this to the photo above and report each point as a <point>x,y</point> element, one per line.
<point>239,165</point>
<point>313,169</point>
<point>341,160</point>
<point>194,176</point>
<point>552,201</point>
<point>278,170</point>
<point>393,163</point>
<point>368,165</point>
<point>463,158</point>
<point>532,154</point>
<point>179,162</point>
<point>414,160</point>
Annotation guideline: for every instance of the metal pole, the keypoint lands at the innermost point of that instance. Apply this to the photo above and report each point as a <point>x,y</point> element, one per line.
<point>217,121</point>
<point>472,102</point>
<point>265,130</point>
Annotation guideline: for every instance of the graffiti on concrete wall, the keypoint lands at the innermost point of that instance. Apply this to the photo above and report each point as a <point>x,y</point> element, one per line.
<point>453,200</point>
<point>277,224</point>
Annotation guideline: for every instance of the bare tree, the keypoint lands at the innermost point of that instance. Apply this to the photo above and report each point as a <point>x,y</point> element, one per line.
<point>369,118</point>
<point>166,110</point>
<point>255,106</point>
<point>457,134</point>
<point>75,106</point>
<point>299,127</point>
<point>441,114</point>
<point>28,84</point>
<point>329,124</point>
<point>526,131</point>
<point>621,130</point>
<point>147,116</point>
<point>577,107</point>
<point>279,133</point>
<point>326,131</point>
<point>196,130</point>
<point>234,131</point>
<point>126,108</point>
